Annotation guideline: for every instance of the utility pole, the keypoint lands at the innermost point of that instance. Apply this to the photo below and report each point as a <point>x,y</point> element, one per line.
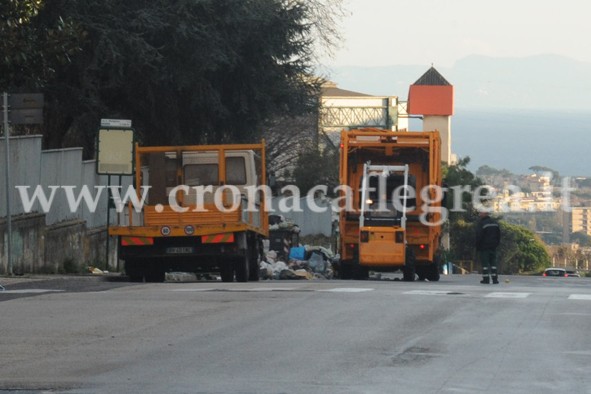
<point>8,183</point>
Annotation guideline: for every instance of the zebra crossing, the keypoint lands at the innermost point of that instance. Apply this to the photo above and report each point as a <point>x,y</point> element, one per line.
<point>495,294</point>
<point>515,295</point>
<point>353,290</point>
<point>29,291</point>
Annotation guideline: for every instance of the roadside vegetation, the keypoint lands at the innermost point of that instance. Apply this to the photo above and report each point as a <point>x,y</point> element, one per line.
<point>184,71</point>
<point>521,250</point>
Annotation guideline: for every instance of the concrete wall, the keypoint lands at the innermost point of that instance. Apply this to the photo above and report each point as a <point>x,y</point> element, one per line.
<point>27,243</point>
<point>43,241</point>
<point>310,222</point>
<point>64,242</point>
<point>65,247</point>
<point>25,168</point>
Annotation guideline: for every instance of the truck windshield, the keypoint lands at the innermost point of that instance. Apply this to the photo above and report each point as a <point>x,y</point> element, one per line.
<point>382,209</point>
<point>208,173</point>
<point>201,174</point>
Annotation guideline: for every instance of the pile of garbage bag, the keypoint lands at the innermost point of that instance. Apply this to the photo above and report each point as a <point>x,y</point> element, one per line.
<point>305,262</point>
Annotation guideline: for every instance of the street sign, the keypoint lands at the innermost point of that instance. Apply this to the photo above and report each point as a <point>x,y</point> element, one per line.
<point>123,123</point>
<point>26,116</point>
<point>24,108</point>
<point>25,100</point>
<point>115,152</point>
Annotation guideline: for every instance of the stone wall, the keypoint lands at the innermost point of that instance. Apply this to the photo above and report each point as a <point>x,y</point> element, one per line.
<point>66,247</point>
<point>27,243</point>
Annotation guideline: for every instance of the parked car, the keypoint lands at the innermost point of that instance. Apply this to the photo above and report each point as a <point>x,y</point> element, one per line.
<point>572,273</point>
<point>561,272</point>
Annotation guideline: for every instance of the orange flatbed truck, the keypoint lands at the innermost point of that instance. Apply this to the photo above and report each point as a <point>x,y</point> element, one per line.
<point>180,227</point>
<point>386,227</point>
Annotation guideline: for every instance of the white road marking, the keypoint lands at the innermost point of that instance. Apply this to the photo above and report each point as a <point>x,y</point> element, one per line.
<point>346,290</point>
<point>253,289</point>
<point>430,292</point>
<point>263,289</point>
<point>25,291</point>
<point>580,353</point>
<point>507,295</point>
<point>579,297</point>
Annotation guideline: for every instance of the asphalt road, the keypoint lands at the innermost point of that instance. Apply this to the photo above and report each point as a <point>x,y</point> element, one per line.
<point>525,335</point>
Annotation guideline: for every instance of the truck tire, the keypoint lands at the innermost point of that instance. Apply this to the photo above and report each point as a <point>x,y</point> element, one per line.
<point>155,272</point>
<point>345,271</point>
<point>133,271</point>
<point>408,272</point>
<point>227,271</point>
<point>253,261</point>
<point>422,272</point>
<point>242,268</point>
<point>433,272</point>
<point>360,273</point>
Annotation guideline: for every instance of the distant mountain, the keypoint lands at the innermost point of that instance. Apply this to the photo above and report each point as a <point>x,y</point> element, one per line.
<point>536,82</point>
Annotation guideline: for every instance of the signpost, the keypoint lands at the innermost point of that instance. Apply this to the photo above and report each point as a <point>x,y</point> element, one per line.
<point>114,157</point>
<point>20,108</point>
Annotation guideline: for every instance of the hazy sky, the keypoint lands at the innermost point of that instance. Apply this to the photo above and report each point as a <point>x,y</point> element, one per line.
<point>392,32</point>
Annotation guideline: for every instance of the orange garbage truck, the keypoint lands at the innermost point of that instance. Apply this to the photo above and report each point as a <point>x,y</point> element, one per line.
<point>391,214</point>
<point>202,210</point>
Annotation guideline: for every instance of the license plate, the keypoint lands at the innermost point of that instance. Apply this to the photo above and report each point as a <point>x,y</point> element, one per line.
<point>179,250</point>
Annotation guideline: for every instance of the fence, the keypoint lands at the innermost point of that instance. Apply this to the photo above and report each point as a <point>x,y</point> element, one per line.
<point>43,241</point>
<point>31,166</point>
<point>311,221</point>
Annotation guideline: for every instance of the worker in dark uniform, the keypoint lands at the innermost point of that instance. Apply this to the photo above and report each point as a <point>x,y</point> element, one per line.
<point>488,237</point>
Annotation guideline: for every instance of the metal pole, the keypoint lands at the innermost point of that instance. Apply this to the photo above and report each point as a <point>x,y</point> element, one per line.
<point>117,247</point>
<point>108,222</point>
<point>8,190</point>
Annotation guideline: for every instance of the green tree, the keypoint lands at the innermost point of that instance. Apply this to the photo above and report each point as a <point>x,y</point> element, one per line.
<point>581,238</point>
<point>33,44</point>
<point>521,250</point>
<point>317,168</point>
<point>186,71</point>
<point>458,201</point>
<point>487,170</point>
<point>540,170</point>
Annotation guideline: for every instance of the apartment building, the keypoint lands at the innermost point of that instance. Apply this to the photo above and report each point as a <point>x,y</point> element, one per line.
<point>581,220</point>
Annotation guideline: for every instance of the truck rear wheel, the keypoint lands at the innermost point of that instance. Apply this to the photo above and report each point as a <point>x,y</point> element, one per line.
<point>155,272</point>
<point>133,270</point>
<point>408,272</point>
<point>360,273</point>
<point>421,272</point>
<point>242,268</point>
<point>433,272</point>
<point>345,270</point>
<point>253,261</point>
<point>227,270</point>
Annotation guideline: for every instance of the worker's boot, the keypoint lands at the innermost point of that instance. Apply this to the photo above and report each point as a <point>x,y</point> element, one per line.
<point>485,278</point>
<point>495,276</point>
